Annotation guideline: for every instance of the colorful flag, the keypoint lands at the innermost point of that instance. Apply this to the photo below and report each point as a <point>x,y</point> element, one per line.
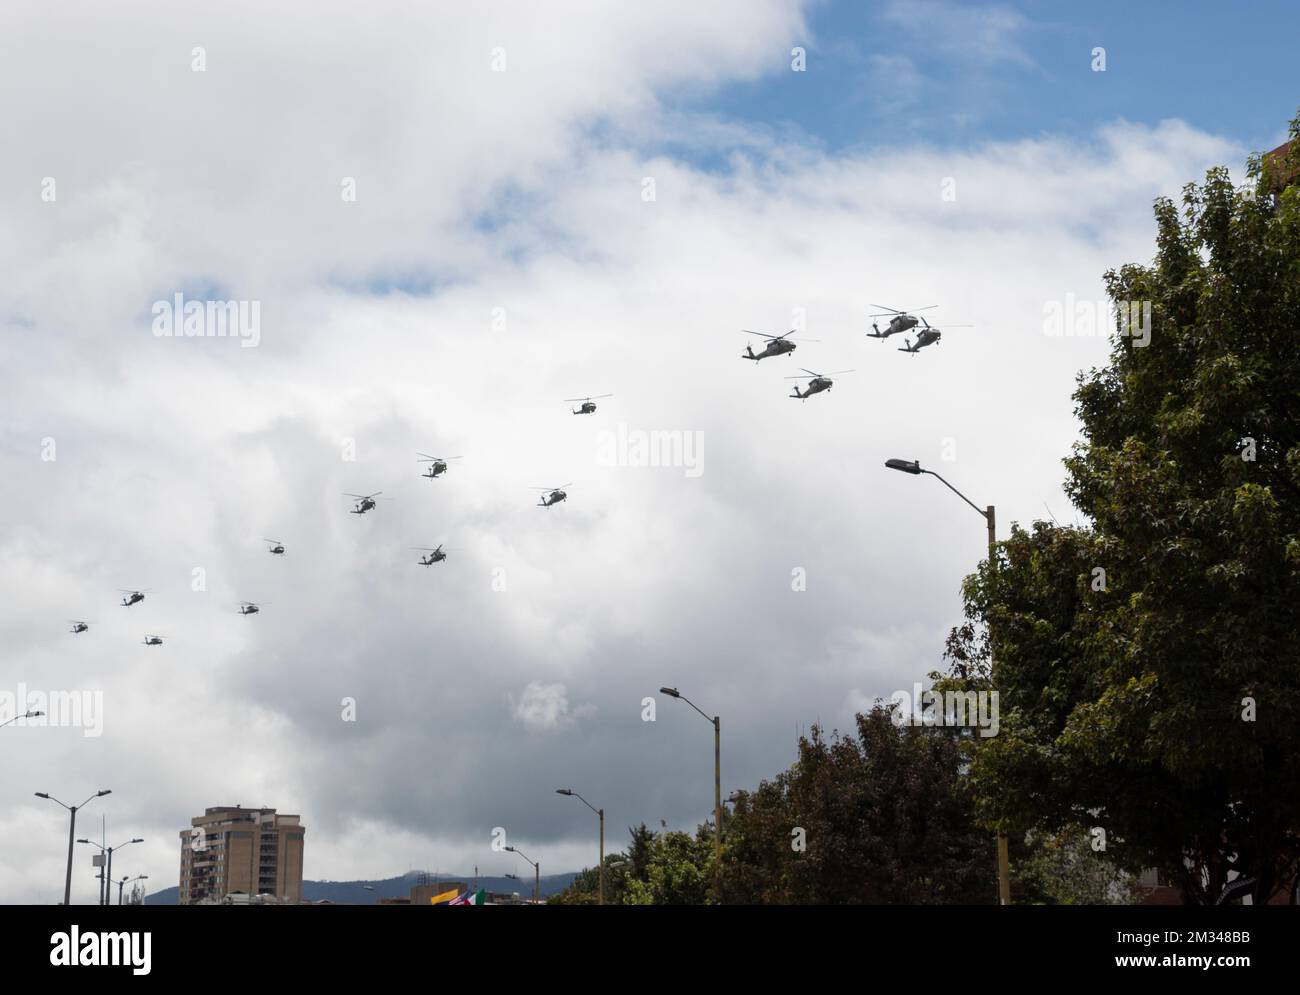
<point>468,898</point>
<point>447,897</point>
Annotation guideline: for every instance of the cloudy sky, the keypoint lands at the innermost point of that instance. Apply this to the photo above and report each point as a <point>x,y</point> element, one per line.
<point>451,217</point>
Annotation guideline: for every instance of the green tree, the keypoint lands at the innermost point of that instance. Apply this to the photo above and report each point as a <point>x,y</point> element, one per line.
<point>584,889</point>
<point>677,872</point>
<point>1149,664</point>
<point>1066,868</point>
<point>883,817</point>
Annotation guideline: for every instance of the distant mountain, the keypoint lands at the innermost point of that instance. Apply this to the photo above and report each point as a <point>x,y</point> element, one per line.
<point>357,893</point>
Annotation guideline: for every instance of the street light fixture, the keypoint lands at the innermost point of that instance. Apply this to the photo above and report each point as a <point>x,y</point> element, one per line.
<point>72,832</point>
<point>127,880</point>
<point>600,812</point>
<point>537,872</point>
<point>107,898</point>
<point>990,517</point>
<point>717,785</point>
<point>30,714</point>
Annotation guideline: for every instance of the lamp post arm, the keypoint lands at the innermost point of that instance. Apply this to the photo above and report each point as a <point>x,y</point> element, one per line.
<point>706,715</point>
<point>585,802</point>
<point>958,493</point>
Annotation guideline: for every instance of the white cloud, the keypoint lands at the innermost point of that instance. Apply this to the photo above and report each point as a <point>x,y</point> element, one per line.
<point>545,708</point>
<point>980,34</point>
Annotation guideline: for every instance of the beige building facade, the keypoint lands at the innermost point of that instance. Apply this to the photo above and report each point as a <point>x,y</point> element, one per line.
<point>230,850</point>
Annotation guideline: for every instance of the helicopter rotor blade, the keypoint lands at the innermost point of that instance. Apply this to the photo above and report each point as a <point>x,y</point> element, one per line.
<point>890,310</point>
<point>763,334</point>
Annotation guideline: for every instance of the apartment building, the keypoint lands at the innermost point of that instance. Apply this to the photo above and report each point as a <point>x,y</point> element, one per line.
<point>231,850</point>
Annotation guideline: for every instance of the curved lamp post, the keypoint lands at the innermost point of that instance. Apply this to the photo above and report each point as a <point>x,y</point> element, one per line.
<point>990,517</point>
<point>30,714</point>
<point>537,872</point>
<point>717,785</point>
<point>600,812</point>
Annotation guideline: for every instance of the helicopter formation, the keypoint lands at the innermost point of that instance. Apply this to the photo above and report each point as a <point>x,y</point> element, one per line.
<point>902,321</point>
<point>785,344</point>
<point>899,322</point>
<point>134,597</point>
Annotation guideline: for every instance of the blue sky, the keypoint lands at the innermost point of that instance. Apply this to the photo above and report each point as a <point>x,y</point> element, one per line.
<point>955,73</point>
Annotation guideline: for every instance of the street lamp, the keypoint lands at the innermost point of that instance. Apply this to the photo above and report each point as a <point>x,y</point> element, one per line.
<point>127,880</point>
<point>717,786</point>
<point>72,831</point>
<point>990,517</point>
<point>537,872</point>
<point>30,714</point>
<point>600,812</point>
<point>107,897</point>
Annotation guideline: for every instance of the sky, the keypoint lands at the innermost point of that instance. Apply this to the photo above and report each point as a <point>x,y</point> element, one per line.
<point>449,219</point>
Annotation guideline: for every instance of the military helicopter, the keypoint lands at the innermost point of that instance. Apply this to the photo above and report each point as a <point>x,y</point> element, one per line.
<point>777,345</point>
<point>818,383</point>
<point>437,464</point>
<point>364,501</point>
<point>132,597</point>
<point>899,321</point>
<point>78,626</point>
<point>555,497</point>
<point>588,406</point>
<point>435,555</point>
<point>153,640</point>
<point>276,546</point>
<point>248,608</point>
<point>929,335</point>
